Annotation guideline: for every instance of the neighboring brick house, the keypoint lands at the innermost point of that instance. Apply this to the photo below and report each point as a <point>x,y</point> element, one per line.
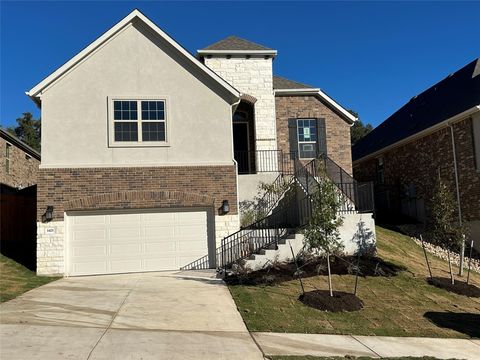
<point>436,134</point>
<point>19,162</point>
<point>143,144</point>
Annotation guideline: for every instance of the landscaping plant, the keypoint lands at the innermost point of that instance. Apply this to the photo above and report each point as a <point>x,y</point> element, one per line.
<point>445,230</point>
<point>321,234</point>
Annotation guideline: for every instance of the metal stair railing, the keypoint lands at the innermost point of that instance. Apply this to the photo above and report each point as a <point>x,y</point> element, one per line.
<point>271,197</point>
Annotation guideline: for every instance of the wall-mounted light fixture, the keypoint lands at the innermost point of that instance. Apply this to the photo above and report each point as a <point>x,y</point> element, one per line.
<point>48,215</point>
<point>225,207</point>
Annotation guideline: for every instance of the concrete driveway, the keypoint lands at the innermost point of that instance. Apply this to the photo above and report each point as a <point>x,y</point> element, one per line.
<point>162,315</point>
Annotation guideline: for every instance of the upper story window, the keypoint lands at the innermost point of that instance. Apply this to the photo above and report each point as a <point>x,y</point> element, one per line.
<point>7,157</point>
<point>139,122</point>
<point>307,138</point>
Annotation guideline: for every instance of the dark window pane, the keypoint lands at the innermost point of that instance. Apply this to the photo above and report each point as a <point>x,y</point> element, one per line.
<point>133,105</point>
<point>144,105</point>
<point>117,105</point>
<point>125,115</point>
<point>145,115</point>
<point>133,115</point>
<point>161,115</point>
<point>125,105</point>
<point>153,131</point>
<point>307,151</point>
<point>153,115</point>
<point>126,131</point>
<point>117,115</point>
<point>152,105</point>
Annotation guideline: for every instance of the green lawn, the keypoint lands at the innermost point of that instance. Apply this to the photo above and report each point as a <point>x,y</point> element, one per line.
<point>17,279</point>
<point>393,306</point>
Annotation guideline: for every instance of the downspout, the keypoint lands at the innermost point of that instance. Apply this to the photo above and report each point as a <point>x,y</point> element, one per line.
<point>462,250</point>
<point>234,107</point>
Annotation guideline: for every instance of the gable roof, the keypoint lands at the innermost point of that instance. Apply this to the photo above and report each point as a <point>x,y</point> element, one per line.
<point>282,83</point>
<point>19,143</point>
<point>234,45</point>
<point>456,94</point>
<point>283,86</point>
<point>35,92</point>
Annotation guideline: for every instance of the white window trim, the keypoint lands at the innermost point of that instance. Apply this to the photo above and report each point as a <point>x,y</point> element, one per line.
<point>139,143</point>
<point>306,142</point>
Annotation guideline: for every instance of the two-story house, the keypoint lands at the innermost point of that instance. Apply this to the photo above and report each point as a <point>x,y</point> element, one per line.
<point>434,135</point>
<point>145,147</point>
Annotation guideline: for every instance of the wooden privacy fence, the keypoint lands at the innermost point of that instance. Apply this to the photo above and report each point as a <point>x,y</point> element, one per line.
<point>18,225</point>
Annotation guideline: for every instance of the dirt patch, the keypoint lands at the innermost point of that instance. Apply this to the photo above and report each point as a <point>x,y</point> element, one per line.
<point>460,287</point>
<point>344,265</point>
<point>339,302</point>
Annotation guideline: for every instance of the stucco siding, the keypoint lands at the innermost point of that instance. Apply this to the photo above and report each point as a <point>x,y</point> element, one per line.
<point>134,63</point>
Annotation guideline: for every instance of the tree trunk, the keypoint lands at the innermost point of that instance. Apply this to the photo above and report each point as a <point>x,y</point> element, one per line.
<point>450,267</point>
<point>298,272</point>
<point>329,275</point>
<point>469,261</point>
<point>356,275</point>
<point>426,257</point>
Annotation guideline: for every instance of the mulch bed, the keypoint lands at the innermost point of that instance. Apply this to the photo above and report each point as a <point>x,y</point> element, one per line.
<point>339,302</point>
<point>460,287</point>
<point>344,265</point>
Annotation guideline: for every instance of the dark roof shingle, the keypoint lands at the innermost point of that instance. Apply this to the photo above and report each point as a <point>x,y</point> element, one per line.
<point>285,84</point>
<point>236,43</point>
<point>453,95</point>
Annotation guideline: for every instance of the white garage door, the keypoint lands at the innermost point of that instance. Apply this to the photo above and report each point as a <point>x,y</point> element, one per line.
<point>118,242</point>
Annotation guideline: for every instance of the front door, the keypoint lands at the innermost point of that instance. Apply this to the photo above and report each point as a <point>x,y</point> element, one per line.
<point>241,147</point>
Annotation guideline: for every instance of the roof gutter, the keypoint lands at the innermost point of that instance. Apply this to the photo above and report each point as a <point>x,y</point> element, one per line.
<point>271,53</point>
<point>424,132</point>
<point>318,92</point>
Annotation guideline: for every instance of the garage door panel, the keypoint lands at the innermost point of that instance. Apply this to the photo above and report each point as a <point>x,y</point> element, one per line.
<point>91,235</point>
<point>125,265</point>
<point>122,219</point>
<point>159,218</point>
<point>122,249</point>
<point>90,220</point>
<point>127,233</point>
<point>89,268</point>
<point>159,232</point>
<point>92,250</point>
<point>138,241</point>
<point>161,247</point>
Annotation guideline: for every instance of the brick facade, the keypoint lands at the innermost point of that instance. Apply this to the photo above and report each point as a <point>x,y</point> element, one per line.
<point>22,168</point>
<point>308,106</point>
<point>135,187</point>
<point>418,163</point>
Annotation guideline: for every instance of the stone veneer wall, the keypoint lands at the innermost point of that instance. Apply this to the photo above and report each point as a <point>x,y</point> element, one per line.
<point>23,171</point>
<point>308,106</point>
<point>420,161</point>
<point>128,188</point>
<point>254,77</point>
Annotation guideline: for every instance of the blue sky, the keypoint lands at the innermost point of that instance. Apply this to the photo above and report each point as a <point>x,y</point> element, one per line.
<point>370,56</point>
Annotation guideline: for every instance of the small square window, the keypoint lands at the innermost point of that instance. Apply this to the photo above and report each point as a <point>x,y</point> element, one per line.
<point>138,121</point>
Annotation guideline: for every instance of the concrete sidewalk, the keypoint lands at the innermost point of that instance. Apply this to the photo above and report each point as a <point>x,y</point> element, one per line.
<point>373,346</point>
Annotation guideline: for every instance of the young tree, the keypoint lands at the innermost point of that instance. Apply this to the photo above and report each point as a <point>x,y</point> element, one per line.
<point>321,233</point>
<point>445,229</point>
<point>28,130</point>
